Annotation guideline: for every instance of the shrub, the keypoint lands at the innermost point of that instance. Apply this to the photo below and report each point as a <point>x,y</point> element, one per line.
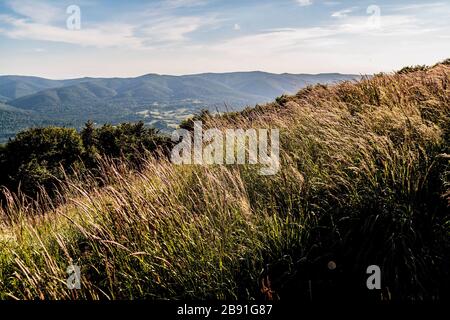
<point>412,69</point>
<point>41,157</point>
<point>38,157</point>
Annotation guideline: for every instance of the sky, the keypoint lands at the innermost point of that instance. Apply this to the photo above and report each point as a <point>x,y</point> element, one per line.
<point>115,38</point>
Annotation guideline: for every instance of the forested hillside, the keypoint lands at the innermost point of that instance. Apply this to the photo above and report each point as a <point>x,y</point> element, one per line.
<point>161,101</point>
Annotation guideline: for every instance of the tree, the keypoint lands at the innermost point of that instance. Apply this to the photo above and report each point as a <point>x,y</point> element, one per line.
<point>203,116</point>
<point>39,156</point>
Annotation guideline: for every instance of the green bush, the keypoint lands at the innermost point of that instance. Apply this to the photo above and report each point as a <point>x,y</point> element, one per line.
<point>38,157</point>
<point>128,141</point>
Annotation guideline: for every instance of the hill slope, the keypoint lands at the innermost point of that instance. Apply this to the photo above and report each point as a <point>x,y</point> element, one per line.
<point>241,88</point>
<point>159,100</point>
<point>13,120</point>
<point>13,87</point>
<point>211,89</point>
<point>362,178</point>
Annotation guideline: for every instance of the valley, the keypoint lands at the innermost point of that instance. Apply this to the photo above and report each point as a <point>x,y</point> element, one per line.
<point>161,101</point>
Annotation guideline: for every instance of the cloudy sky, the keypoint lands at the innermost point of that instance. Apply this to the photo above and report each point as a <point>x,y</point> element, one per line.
<point>131,38</point>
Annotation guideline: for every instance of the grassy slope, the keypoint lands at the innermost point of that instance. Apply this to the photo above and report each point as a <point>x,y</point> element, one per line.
<point>362,182</point>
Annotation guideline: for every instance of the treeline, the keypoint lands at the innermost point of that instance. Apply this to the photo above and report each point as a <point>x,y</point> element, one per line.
<point>41,157</point>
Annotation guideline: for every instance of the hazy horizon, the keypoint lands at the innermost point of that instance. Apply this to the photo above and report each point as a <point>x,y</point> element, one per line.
<point>180,37</point>
<point>179,75</point>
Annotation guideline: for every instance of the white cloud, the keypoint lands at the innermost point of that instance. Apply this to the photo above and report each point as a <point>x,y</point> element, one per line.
<point>237,27</point>
<point>37,21</point>
<point>184,3</point>
<point>418,6</point>
<point>173,29</point>
<point>331,3</point>
<point>342,13</point>
<point>304,3</point>
<point>140,33</point>
<point>101,36</point>
<point>37,11</point>
<point>168,31</point>
<point>352,31</point>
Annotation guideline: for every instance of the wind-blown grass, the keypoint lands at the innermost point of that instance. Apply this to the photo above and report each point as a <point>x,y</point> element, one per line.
<point>364,180</point>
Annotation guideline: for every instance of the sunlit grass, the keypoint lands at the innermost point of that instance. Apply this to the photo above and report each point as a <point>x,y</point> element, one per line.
<point>364,180</point>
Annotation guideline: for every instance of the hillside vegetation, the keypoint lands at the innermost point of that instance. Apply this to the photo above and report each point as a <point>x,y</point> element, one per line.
<point>159,100</point>
<point>43,157</point>
<point>14,120</point>
<point>364,180</point>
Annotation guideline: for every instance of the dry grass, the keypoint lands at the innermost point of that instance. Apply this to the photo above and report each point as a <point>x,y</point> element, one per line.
<point>364,180</point>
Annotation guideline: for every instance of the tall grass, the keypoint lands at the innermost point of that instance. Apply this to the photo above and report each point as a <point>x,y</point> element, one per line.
<point>364,180</point>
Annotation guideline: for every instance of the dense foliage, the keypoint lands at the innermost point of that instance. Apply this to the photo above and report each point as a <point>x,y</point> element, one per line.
<point>42,157</point>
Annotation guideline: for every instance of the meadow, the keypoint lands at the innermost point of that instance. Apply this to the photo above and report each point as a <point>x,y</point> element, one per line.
<point>364,180</point>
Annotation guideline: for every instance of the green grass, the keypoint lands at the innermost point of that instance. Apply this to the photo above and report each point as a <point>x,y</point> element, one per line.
<point>364,180</point>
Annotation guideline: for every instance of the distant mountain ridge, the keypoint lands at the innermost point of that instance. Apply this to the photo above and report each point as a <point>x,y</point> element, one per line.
<point>160,100</point>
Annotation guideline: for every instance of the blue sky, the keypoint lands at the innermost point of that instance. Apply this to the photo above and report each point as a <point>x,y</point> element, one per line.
<point>131,38</point>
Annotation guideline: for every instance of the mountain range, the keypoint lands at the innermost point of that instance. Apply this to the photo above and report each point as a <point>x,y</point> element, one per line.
<point>159,100</point>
